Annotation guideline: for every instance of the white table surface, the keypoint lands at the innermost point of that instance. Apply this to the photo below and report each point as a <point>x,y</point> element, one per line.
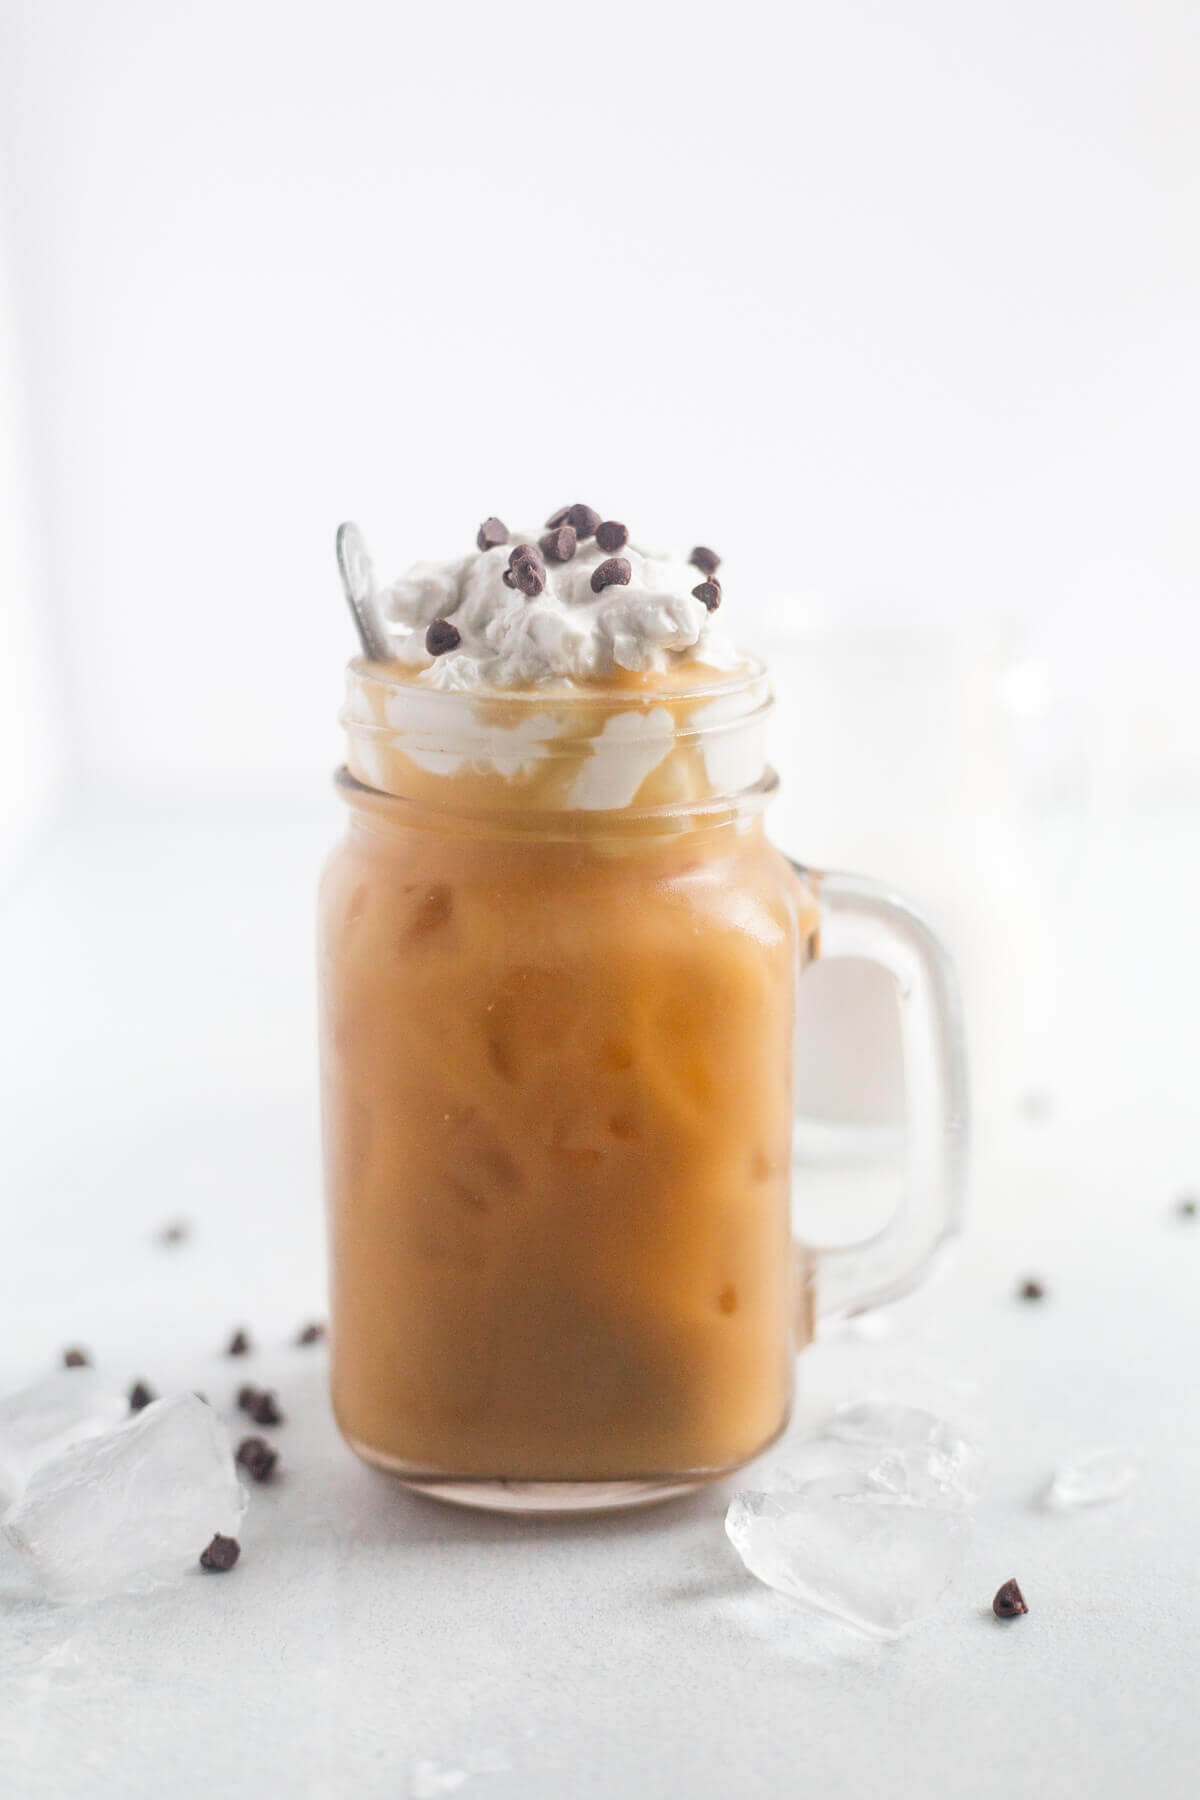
<point>156,1045</point>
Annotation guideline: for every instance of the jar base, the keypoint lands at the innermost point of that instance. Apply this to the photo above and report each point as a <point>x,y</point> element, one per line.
<point>545,1498</point>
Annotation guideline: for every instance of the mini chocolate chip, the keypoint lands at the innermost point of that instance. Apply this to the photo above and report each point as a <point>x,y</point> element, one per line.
<point>239,1344</point>
<point>1009,1602</point>
<point>1186,1207</point>
<point>709,594</point>
<point>1032,1290</point>
<point>558,518</point>
<point>247,1398</point>
<point>140,1395</point>
<point>611,537</point>
<point>442,636</point>
<point>257,1457</point>
<point>265,1410</point>
<point>705,559</point>
<point>559,545</point>
<point>491,533</point>
<point>311,1334</point>
<point>584,519</point>
<point>615,572</point>
<point>76,1359</point>
<point>221,1555</point>
<point>526,570</point>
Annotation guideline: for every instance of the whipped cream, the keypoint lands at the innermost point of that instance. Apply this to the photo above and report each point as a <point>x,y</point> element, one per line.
<point>565,633</point>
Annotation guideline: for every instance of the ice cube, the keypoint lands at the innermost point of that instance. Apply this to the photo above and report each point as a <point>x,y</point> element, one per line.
<point>1090,1479</point>
<point>848,1545</point>
<point>943,1467</point>
<point>132,1507</point>
<point>41,1421</point>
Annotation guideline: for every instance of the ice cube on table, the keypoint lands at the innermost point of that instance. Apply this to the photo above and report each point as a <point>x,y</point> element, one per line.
<point>133,1507</point>
<point>876,1559</point>
<point>1091,1479</point>
<point>41,1421</point>
<point>943,1467</point>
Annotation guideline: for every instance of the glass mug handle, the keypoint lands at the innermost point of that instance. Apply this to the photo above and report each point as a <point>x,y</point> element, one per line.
<point>860,918</point>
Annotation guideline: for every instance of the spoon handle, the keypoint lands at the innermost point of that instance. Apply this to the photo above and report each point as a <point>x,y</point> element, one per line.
<point>358,579</point>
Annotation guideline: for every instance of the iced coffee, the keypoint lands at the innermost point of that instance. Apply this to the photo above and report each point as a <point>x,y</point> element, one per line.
<point>557,963</point>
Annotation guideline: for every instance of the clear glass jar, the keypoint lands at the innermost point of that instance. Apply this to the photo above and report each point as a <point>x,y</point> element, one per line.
<point>558,963</point>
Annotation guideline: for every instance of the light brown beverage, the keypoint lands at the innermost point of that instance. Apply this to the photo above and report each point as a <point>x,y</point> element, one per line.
<point>558,1122</point>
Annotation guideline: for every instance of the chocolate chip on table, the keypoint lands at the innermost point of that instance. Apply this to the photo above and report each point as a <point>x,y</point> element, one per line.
<point>1187,1206</point>
<point>265,1409</point>
<point>257,1457</point>
<point>1009,1602</point>
<point>247,1398</point>
<point>312,1333</point>
<point>491,533</point>
<point>560,544</point>
<point>709,594</point>
<point>611,536</point>
<point>239,1344</point>
<point>220,1555</point>
<point>557,518</point>
<point>1031,1290</point>
<point>615,572</point>
<point>442,636</point>
<point>526,570</point>
<point>75,1358</point>
<point>704,559</point>
<point>140,1394</point>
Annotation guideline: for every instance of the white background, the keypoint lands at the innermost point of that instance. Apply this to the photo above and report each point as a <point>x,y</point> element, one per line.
<point>896,306</point>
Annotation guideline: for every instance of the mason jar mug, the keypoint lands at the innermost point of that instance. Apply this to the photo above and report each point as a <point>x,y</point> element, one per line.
<point>559,958</point>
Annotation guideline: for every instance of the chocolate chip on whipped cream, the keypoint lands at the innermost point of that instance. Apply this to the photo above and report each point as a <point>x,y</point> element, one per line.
<point>617,571</point>
<point>582,519</point>
<point>708,593</point>
<point>442,636</point>
<point>526,570</point>
<point>560,544</point>
<point>491,533</point>
<point>707,561</point>
<point>611,536</point>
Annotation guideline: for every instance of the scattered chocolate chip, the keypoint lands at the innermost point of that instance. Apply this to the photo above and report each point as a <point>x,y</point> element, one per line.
<point>526,570</point>
<point>584,519</point>
<point>1187,1206</point>
<point>265,1409</point>
<point>611,537</point>
<point>709,594</point>
<point>221,1554</point>
<point>140,1394</point>
<point>615,572</point>
<point>1009,1602</point>
<point>311,1334</point>
<point>247,1398</point>
<point>176,1232</point>
<point>257,1457</point>
<point>239,1344</point>
<point>442,636</point>
<point>76,1359</point>
<point>558,518</point>
<point>491,533</point>
<point>706,560</point>
<point>560,544</point>
<point>1032,1290</point>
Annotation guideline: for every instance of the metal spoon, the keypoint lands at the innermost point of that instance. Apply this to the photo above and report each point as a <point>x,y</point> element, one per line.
<point>358,579</point>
